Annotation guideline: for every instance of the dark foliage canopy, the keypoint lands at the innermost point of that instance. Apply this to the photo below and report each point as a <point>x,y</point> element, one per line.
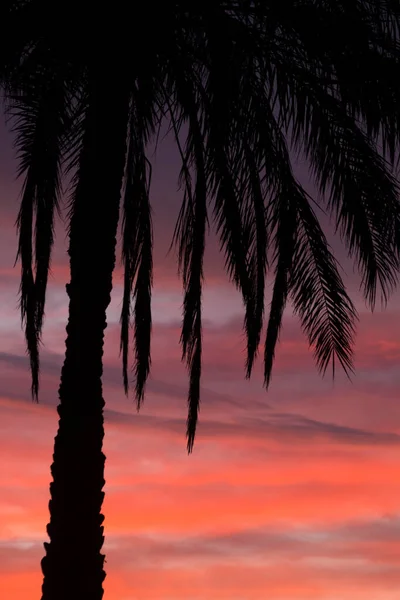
<point>241,84</point>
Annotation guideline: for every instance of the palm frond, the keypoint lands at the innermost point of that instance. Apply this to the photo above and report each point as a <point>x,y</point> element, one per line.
<point>258,252</point>
<point>137,256</point>
<point>194,222</point>
<point>283,222</point>
<point>38,112</point>
<point>189,237</point>
<point>223,120</point>
<point>359,66</point>
<point>304,266</point>
<point>362,192</point>
<point>318,293</point>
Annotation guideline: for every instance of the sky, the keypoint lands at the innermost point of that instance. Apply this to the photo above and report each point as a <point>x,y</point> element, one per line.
<point>289,495</point>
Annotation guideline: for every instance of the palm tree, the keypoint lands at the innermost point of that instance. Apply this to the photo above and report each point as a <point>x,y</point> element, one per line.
<point>239,82</point>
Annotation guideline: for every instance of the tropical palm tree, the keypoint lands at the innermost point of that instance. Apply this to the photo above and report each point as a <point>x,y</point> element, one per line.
<point>238,82</point>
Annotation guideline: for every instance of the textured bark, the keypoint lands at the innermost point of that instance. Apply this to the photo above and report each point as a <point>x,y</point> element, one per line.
<point>73,564</point>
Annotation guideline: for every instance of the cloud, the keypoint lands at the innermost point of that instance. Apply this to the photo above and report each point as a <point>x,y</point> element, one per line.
<point>275,427</point>
<point>355,541</point>
<point>19,555</point>
<point>215,423</point>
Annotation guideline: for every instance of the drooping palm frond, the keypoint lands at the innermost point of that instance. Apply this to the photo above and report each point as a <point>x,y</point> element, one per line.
<point>283,222</point>
<point>211,156</point>
<point>192,233</point>
<point>319,297</point>
<point>303,262</point>
<point>38,111</point>
<point>268,216</point>
<point>189,236</point>
<point>137,248</point>
<point>249,107</point>
<point>233,189</point>
<point>347,166</point>
<point>258,253</point>
<point>335,115</point>
<point>224,116</point>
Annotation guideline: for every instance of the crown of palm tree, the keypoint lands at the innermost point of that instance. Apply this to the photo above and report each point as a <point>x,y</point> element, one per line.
<point>239,83</point>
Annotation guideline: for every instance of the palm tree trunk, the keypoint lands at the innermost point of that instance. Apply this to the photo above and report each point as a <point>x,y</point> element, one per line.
<point>73,564</point>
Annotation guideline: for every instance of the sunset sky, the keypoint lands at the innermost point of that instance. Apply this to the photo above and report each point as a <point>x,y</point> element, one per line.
<point>289,495</point>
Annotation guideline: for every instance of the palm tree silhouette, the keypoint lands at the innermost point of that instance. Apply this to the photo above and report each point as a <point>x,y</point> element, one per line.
<point>238,83</point>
